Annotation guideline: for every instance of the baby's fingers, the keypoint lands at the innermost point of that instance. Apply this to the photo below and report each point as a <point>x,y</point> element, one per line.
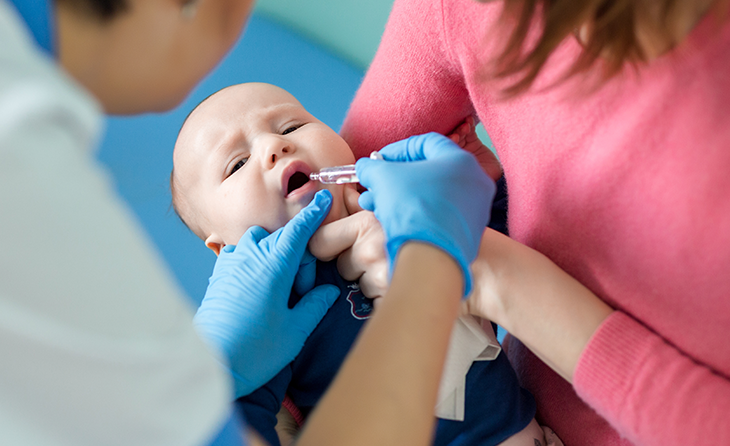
<point>351,197</point>
<point>333,238</point>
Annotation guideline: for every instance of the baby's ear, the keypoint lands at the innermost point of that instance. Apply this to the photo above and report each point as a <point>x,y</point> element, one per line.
<point>214,243</point>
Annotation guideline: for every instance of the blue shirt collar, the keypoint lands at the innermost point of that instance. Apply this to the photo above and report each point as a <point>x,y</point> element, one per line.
<point>39,16</point>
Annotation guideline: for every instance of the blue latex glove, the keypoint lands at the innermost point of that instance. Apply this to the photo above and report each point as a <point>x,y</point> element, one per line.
<point>434,192</point>
<point>245,310</point>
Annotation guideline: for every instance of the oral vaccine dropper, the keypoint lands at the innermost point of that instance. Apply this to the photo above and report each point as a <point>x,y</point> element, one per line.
<point>340,174</point>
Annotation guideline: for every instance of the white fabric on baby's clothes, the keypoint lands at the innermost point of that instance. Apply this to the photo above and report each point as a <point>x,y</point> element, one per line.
<point>470,342</point>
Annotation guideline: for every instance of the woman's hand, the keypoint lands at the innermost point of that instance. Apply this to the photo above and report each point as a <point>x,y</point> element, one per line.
<point>245,313</point>
<point>358,242</point>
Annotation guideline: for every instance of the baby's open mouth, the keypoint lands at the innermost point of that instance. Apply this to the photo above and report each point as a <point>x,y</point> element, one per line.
<point>296,181</point>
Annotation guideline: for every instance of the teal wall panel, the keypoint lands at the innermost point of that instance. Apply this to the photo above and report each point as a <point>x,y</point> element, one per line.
<point>350,28</point>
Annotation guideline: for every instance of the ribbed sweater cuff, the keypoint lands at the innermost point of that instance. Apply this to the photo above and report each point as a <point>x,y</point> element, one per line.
<point>604,372</point>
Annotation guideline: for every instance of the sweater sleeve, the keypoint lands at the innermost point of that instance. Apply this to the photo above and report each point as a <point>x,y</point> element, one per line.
<point>412,85</point>
<point>648,390</point>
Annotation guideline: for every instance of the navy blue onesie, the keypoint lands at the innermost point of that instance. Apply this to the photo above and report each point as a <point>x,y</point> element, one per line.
<point>496,407</point>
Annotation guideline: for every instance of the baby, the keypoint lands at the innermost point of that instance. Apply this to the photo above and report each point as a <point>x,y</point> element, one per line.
<point>243,158</point>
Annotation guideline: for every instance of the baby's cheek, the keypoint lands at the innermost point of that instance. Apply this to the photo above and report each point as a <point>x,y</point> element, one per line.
<point>280,219</point>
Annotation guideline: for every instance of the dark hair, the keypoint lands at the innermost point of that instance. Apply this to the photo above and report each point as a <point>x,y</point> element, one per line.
<point>612,38</point>
<point>101,9</point>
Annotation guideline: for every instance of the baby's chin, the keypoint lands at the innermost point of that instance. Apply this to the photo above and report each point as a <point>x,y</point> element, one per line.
<point>337,211</point>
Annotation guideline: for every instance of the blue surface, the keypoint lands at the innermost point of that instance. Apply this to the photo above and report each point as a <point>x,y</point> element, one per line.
<point>39,16</point>
<point>138,150</point>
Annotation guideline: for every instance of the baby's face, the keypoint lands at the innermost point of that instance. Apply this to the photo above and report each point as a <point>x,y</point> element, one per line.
<point>243,158</point>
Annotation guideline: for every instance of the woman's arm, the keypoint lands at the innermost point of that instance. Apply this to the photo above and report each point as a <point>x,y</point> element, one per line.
<point>535,301</point>
<point>412,85</point>
<point>648,390</point>
<point>389,382</point>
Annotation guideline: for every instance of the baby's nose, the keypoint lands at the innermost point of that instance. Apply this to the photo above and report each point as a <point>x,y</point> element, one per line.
<point>276,155</point>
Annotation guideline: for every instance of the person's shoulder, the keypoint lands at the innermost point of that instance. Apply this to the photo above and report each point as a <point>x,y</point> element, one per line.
<point>34,83</point>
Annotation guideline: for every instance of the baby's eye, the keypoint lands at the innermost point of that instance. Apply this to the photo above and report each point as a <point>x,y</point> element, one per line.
<point>238,165</point>
<point>291,129</point>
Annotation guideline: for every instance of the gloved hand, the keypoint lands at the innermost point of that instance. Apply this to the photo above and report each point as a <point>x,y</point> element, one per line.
<point>428,189</point>
<point>245,310</point>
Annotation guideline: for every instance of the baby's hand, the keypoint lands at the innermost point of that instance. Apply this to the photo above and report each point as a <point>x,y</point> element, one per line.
<point>358,242</point>
<point>465,135</point>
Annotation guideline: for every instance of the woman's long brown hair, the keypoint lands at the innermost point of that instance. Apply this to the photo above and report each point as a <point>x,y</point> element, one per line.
<point>612,35</point>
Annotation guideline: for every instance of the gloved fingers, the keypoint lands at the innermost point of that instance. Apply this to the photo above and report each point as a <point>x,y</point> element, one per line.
<point>367,172</point>
<point>241,385</point>
<point>433,145</point>
<point>296,233</point>
<point>366,201</point>
<point>306,275</point>
<point>312,307</point>
<point>418,148</point>
<point>252,236</point>
<point>427,147</point>
<point>408,149</point>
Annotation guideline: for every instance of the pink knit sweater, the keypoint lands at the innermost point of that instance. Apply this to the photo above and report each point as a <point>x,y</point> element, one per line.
<point>627,189</point>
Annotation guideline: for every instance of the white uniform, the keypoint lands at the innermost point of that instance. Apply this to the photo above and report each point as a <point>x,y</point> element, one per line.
<point>96,341</point>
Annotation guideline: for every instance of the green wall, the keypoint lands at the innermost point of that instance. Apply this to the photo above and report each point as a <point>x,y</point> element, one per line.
<point>350,28</point>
